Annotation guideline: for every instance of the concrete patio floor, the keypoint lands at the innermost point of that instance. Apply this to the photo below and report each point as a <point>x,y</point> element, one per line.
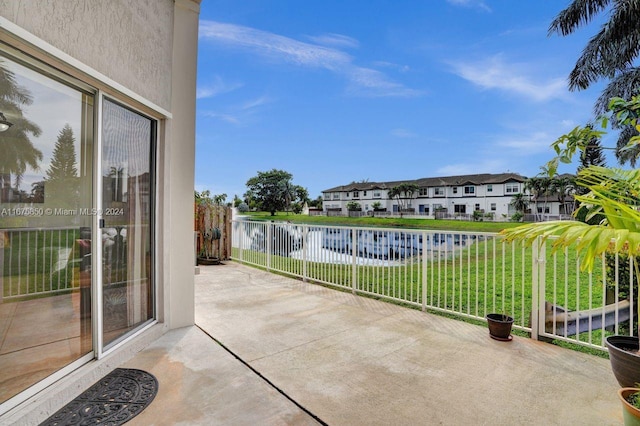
<point>349,360</point>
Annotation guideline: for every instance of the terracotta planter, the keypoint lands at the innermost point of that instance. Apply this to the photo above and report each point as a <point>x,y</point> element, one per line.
<point>624,363</point>
<point>630,413</point>
<point>500,327</point>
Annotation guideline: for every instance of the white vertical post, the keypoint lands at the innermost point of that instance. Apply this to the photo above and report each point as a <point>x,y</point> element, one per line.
<point>240,234</point>
<point>354,260</point>
<point>538,276</point>
<point>423,258</point>
<point>305,236</point>
<point>269,244</point>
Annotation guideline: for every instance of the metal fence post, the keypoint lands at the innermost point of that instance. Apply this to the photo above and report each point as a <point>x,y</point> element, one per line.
<point>240,234</point>
<point>538,277</point>
<point>354,260</point>
<point>269,244</point>
<point>305,236</point>
<point>423,258</point>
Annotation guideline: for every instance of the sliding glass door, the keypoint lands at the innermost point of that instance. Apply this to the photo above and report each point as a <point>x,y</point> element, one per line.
<point>126,222</point>
<point>46,192</point>
<point>76,224</point>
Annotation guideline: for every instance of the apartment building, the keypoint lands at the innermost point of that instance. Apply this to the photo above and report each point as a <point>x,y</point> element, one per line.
<point>491,194</point>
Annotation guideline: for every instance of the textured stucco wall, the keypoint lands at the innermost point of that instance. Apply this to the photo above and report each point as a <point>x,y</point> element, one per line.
<point>129,41</point>
<point>179,170</point>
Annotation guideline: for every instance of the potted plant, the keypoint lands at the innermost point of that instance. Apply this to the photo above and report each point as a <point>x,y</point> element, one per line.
<point>206,256</point>
<point>613,194</point>
<point>500,327</point>
<point>630,398</point>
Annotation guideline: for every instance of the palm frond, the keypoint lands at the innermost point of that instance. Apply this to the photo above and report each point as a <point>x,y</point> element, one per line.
<point>613,192</point>
<point>578,13</point>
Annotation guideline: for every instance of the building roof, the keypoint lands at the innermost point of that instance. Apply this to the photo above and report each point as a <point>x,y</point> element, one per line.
<point>477,179</point>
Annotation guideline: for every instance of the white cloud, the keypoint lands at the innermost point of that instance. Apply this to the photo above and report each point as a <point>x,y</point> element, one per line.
<point>363,81</point>
<point>398,67</point>
<point>217,87</point>
<point>262,100</point>
<point>222,116</point>
<point>480,166</point>
<point>337,40</point>
<point>239,114</point>
<point>568,124</point>
<point>403,133</point>
<point>495,73</point>
<point>528,143</point>
<point>368,82</point>
<point>479,4</point>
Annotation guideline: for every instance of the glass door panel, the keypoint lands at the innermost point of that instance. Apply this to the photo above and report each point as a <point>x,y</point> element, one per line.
<point>126,225</point>
<point>46,195</point>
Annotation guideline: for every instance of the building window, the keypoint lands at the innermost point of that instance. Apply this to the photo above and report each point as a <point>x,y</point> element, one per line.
<point>460,208</point>
<point>489,188</point>
<point>364,193</point>
<point>493,207</point>
<point>469,190</point>
<point>438,191</point>
<point>376,194</point>
<point>347,195</point>
<point>477,207</point>
<point>336,196</point>
<point>546,210</point>
<point>512,188</point>
<point>455,189</point>
<point>356,194</point>
<point>423,192</point>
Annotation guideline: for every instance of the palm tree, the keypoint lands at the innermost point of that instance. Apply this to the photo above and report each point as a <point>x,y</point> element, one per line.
<point>16,147</point>
<point>406,189</point>
<point>563,187</point>
<point>610,54</point>
<point>519,202</point>
<point>539,187</point>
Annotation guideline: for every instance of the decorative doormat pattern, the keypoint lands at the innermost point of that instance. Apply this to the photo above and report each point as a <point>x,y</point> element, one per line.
<point>114,400</point>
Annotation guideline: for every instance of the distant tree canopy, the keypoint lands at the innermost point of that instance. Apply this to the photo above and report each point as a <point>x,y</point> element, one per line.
<point>403,193</point>
<point>274,190</point>
<point>317,202</point>
<point>17,151</point>
<point>205,198</point>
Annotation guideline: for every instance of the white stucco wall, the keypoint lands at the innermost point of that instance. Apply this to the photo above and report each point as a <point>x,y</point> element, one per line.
<point>128,41</point>
<point>179,173</point>
<point>131,43</point>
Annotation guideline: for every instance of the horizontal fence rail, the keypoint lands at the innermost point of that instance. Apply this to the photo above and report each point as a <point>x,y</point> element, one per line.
<point>464,274</point>
<point>39,261</point>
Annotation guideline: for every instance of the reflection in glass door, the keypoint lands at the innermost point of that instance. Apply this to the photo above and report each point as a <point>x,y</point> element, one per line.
<point>46,179</point>
<point>126,221</point>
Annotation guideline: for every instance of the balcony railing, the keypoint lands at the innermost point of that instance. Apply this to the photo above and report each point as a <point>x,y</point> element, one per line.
<point>463,274</point>
<point>36,261</point>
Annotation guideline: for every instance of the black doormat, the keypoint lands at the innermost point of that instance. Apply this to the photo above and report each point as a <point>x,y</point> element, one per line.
<point>114,400</point>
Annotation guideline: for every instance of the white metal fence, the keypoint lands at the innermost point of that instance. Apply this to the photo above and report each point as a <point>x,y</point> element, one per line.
<point>463,274</point>
<point>35,261</point>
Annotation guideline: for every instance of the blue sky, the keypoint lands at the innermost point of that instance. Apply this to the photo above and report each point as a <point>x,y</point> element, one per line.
<point>342,91</point>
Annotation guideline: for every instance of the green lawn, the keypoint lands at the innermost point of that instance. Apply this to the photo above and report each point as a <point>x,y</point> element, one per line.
<point>483,277</point>
<point>435,224</point>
